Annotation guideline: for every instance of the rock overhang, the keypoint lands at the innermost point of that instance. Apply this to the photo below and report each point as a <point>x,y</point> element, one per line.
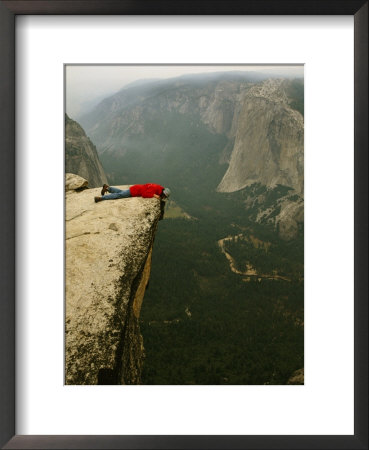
<point>106,247</point>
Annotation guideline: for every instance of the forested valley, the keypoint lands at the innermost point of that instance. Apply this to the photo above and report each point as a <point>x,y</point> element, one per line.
<point>204,324</point>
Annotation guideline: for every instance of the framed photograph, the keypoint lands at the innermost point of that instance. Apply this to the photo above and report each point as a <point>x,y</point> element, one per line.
<point>270,78</point>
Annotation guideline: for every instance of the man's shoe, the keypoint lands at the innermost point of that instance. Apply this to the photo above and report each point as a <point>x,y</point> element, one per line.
<point>104,189</point>
<point>98,199</point>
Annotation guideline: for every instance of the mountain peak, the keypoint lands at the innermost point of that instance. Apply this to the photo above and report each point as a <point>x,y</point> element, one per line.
<point>271,89</point>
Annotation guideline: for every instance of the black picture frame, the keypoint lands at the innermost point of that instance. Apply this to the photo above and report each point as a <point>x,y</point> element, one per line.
<point>8,12</point>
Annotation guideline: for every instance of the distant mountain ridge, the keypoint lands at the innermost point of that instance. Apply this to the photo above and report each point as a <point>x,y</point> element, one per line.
<point>140,92</point>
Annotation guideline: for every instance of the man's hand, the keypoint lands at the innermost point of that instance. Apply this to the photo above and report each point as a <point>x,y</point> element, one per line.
<point>156,196</point>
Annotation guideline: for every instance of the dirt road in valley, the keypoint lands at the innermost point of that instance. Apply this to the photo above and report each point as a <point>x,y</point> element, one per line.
<point>250,271</point>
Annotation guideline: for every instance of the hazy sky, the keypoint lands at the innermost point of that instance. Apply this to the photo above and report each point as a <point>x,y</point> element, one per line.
<point>88,84</point>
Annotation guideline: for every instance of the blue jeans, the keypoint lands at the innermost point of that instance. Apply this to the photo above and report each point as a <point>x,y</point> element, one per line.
<point>116,193</point>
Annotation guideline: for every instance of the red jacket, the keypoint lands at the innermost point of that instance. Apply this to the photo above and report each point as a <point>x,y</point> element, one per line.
<point>146,190</point>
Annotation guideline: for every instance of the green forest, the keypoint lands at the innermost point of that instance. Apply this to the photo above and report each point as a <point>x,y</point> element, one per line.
<point>204,324</point>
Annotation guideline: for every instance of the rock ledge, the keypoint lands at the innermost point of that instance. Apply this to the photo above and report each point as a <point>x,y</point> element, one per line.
<point>108,259</point>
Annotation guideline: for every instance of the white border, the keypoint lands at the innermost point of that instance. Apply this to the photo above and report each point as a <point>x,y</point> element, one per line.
<point>325,404</point>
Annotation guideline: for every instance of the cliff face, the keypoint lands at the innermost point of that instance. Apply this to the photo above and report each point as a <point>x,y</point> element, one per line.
<point>269,141</point>
<point>81,156</point>
<point>108,259</point>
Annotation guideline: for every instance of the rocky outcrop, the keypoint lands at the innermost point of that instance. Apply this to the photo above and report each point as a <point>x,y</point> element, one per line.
<point>286,214</point>
<point>290,218</point>
<point>81,156</point>
<point>108,258</point>
<point>297,377</point>
<point>74,182</point>
<point>269,141</point>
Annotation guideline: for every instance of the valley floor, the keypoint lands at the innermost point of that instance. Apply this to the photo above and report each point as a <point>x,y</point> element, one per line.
<point>203,324</point>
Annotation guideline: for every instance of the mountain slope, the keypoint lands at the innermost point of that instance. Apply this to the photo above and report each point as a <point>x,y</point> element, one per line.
<point>261,121</point>
<point>81,156</point>
<point>205,134</point>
